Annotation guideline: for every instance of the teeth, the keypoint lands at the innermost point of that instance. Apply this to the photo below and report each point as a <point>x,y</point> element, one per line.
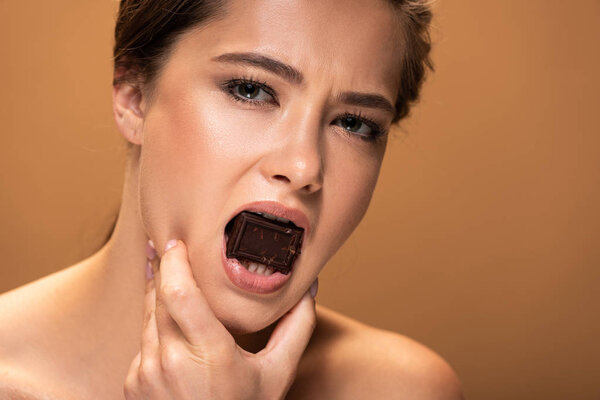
<point>257,268</point>
<point>261,269</point>
<point>270,216</point>
<point>252,267</point>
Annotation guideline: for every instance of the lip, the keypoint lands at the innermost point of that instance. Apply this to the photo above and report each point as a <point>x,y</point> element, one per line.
<point>261,284</point>
<point>246,280</point>
<point>279,210</point>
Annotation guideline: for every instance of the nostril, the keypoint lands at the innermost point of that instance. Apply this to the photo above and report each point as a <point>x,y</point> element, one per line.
<point>281,178</point>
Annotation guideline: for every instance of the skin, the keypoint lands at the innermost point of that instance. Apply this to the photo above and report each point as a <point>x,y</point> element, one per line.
<point>290,147</point>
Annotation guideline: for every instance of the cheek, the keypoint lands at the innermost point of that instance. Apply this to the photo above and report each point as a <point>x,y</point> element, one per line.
<point>352,177</point>
<point>185,166</point>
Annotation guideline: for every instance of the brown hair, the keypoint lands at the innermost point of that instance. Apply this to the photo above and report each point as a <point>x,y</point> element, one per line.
<point>415,18</point>
<point>146,30</point>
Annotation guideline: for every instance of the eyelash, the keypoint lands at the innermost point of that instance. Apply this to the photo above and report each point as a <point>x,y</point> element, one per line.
<point>228,86</point>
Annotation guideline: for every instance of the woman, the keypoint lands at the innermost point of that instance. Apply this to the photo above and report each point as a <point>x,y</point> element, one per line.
<point>280,108</point>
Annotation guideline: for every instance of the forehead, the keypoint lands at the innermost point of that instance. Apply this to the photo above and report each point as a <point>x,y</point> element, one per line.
<point>354,43</point>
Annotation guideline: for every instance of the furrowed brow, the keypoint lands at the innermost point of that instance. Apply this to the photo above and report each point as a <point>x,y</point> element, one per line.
<point>291,74</point>
<point>276,67</point>
<point>369,100</point>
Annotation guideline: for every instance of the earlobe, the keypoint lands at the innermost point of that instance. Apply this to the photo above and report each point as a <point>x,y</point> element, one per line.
<point>127,109</point>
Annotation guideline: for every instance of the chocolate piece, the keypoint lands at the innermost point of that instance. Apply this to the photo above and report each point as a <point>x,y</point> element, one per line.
<point>263,240</point>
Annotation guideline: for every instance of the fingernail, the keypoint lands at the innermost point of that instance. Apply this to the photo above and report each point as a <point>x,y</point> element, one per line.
<point>170,244</point>
<point>314,288</point>
<point>150,251</point>
<point>149,272</point>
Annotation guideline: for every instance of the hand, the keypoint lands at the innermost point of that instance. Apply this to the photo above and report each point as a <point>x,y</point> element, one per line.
<point>186,353</point>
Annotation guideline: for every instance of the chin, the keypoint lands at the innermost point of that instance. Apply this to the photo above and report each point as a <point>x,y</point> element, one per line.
<point>245,317</point>
<point>244,325</point>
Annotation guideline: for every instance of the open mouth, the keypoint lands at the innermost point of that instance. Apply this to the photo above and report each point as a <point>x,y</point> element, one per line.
<point>263,243</point>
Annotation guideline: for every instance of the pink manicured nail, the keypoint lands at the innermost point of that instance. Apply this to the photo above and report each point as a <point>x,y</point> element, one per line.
<point>150,252</point>
<point>149,272</point>
<point>170,244</point>
<point>314,288</point>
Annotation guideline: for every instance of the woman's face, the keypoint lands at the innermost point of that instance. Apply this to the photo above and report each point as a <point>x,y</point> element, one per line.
<point>280,106</point>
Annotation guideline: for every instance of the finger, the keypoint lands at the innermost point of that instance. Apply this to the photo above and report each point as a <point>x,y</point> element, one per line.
<point>153,260</point>
<point>130,387</point>
<point>167,330</point>
<point>150,343</point>
<point>186,304</point>
<point>150,367</point>
<point>134,368</point>
<point>290,338</point>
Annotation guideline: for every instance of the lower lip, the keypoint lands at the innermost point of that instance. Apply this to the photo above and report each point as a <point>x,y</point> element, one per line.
<point>248,281</point>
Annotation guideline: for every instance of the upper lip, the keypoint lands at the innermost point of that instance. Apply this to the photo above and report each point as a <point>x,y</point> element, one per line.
<point>279,210</point>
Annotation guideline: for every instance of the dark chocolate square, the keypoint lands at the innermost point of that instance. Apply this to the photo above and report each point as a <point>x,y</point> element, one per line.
<point>263,240</point>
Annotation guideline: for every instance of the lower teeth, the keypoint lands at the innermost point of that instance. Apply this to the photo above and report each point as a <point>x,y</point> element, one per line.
<point>257,268</point>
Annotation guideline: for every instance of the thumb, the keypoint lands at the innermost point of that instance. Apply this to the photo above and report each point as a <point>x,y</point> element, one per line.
<point>290,338</point>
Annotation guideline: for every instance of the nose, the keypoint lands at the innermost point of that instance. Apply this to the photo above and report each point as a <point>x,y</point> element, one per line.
<point>296,158</point>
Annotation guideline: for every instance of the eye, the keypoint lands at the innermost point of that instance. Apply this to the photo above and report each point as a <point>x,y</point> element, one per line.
<point>250,91</point>
<point>354,124</point>
<point>360,126</point>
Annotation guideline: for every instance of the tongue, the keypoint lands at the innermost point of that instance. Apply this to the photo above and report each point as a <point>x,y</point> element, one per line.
<point>263,240</point>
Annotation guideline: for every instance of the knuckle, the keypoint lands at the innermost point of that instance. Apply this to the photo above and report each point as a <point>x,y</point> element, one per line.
<point>174,293</point>
<point>223,349</point>
<point>172,360</point>
<point>130,387</point>
<point>149,371</point>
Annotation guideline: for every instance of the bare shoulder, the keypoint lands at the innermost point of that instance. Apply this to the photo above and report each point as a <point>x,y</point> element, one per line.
<point>17,385</point>
<point>26,325</point>
<point>23,314</point>
<point>347,359</point>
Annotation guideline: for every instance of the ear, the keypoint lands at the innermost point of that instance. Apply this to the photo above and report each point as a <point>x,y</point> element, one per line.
<point>127,109</point>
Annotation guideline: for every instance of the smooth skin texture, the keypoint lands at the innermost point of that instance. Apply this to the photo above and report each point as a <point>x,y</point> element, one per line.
<point>203,146</point>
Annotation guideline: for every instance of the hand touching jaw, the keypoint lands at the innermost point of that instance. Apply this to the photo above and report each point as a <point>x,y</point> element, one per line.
<point>187,353</point>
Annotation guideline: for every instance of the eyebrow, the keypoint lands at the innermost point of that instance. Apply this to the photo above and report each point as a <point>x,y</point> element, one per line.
<point>291,74</point>
<point>285,71</point>
<point>369,100</point>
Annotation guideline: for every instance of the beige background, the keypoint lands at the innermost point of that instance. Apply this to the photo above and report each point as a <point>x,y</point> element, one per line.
<point>481,240</point>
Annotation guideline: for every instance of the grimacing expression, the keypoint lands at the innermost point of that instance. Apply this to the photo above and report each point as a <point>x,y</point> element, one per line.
<point>268,103</point>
